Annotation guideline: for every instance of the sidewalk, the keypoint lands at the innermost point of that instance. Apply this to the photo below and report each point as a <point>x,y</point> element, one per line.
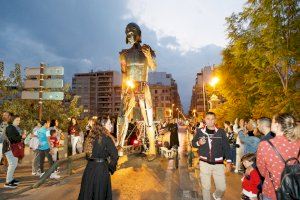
<point>23,173</point>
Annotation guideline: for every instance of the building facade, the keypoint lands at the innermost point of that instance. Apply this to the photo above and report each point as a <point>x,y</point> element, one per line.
<point>199,102</point>
<point>165,97</point>
<point>100,92</point>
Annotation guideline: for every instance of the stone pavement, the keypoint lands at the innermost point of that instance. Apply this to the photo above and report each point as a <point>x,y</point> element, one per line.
<point>139,179</point>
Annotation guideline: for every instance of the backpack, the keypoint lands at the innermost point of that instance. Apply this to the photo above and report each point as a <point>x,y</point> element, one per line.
<point>290,178</point>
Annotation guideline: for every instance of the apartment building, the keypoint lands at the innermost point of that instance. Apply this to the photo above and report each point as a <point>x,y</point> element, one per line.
<point>100,92</point>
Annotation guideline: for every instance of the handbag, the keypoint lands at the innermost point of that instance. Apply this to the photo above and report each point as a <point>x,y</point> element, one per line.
<point>18,149</point>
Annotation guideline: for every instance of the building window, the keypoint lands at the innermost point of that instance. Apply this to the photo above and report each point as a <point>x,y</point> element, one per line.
<point>155,91</point>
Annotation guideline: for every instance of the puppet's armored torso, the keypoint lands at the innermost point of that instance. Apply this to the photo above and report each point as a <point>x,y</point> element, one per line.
<point>135,63</point>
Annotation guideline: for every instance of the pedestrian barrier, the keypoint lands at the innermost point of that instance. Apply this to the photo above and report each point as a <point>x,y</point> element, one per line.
<point>166,152</point>
<point>131,149</point>
<point>69,161</point>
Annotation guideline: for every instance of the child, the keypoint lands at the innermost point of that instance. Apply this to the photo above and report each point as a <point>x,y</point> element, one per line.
<point>34,144</point>
<point>54,144</point>
<point>251,179</point>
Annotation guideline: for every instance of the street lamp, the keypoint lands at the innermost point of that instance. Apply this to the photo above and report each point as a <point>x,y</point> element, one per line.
<point>214,81</point>
<point>130,83</point>
<point>177,114</point>
<point>214,98</point>
<point>95,117</point>
<point>194,112</point>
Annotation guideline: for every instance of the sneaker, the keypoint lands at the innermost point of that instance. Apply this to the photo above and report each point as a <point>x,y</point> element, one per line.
<point>33,173</point>
<point>215,198</point>
<point>54,176</point>
<point>41,174</point>
<point>14,181</point>
<point>10,185</point>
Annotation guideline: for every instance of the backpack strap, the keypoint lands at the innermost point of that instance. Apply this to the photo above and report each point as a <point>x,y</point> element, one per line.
<point>276,151</point>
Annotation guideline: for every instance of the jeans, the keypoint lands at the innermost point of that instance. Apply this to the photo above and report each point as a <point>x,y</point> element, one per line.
<point>36,161</point>
<point>74,142</point>
<point>12,165</point>
<point>54,153</point>
<point>266,198</point>
<point>232,153</point>
<point>44,153</point>
<point>218,173</point>
<point>1,155</point>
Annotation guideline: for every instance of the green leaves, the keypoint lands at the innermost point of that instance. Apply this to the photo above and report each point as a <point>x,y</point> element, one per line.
<point>260,66</point>
<point>28,109</point>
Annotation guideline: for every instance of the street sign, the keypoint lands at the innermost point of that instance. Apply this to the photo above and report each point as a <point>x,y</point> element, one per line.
<point>46,95</point>
<point>50,71</point>
<point>54,71</point>
<point>48,83</point>
<point>30,95</point>
<point>53,96</point>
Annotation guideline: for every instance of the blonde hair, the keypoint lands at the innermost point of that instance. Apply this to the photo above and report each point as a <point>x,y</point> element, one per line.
<point>289,126</point>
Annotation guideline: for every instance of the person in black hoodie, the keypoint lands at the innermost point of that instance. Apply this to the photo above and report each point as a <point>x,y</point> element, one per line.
<point>213,147</point>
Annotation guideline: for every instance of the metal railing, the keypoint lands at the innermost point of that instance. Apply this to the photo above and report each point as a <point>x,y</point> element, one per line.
<point>68,160</point>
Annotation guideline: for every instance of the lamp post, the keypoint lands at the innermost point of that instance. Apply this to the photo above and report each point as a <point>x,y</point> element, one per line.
<point>173,110</point>
<point>177,114</point>
<point>213,98</point>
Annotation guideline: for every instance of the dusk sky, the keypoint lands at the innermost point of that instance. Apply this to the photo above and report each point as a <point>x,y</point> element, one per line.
<point>84,35</point>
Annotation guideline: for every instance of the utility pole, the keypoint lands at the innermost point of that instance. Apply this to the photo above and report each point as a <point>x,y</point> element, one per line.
<point>41,79</point>
<point>204,97</point>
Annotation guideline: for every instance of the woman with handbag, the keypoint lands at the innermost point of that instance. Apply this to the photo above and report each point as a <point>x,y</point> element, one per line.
<point>20,146</point>
<point>14,149</point>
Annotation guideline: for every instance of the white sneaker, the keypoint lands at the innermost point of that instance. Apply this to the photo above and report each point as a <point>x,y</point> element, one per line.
<point>215,198</point>
<point>236,171</point>
<point>54,176</point>
<point>41,174</point>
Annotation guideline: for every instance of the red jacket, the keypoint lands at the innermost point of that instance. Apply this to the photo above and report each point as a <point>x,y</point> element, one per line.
<point>74,130</point>
<point>250,183</point>
<point>54,141</point>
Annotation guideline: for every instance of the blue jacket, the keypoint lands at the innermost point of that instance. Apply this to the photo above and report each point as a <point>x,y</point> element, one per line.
<point>250,142</point>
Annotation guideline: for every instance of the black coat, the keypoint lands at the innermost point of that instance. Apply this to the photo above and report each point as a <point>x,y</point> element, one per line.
<point>218,150</point>
<point>13,137</point>
<point>174,140</point>
<point>96,183</point>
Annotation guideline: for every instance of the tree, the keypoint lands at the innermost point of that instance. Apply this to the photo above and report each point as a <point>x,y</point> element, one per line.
<point>260,66</point>
<point>60,110</point>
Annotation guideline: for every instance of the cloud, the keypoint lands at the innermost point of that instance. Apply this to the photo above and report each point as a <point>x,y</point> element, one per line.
<point>20,46</point>
<point>193,23</point>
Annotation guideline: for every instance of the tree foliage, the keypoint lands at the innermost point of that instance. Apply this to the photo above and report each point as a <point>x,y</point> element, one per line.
<point>28,109</point>
<point>260,66</point>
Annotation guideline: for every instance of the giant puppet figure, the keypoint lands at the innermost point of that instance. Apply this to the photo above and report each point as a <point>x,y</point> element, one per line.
<point>135,63</point>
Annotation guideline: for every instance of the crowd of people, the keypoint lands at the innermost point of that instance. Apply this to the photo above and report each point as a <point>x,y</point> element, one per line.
<point>45,140</point>
<point>260,149</point>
